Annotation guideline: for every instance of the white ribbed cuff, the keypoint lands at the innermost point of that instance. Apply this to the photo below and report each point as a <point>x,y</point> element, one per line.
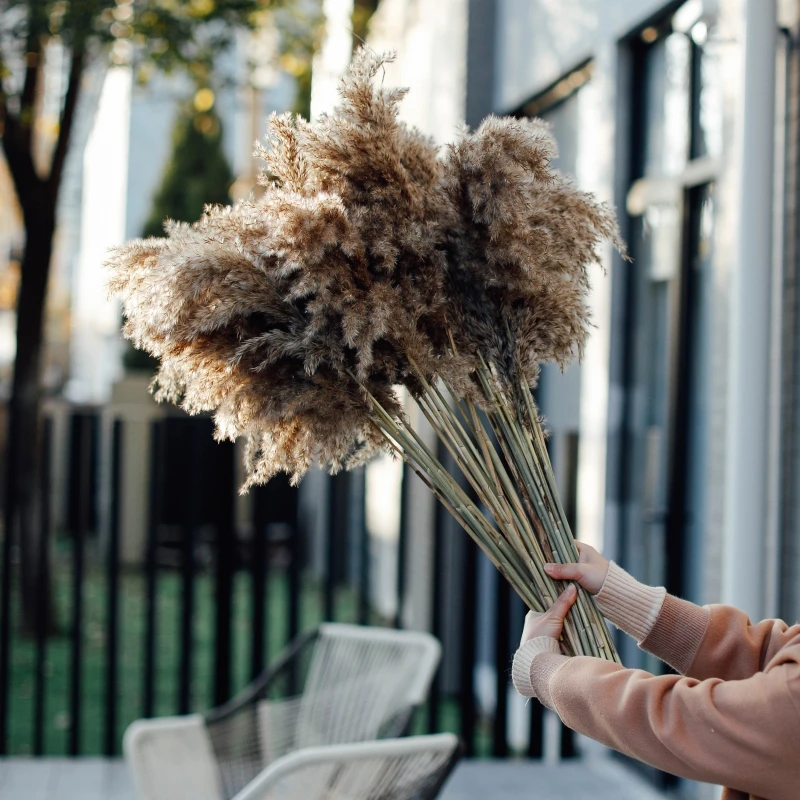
<point>630,605</point>
<point>523,661</point>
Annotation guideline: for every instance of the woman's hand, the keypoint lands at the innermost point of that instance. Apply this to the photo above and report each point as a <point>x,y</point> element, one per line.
<point>590,571</point>
<point>551,622</point>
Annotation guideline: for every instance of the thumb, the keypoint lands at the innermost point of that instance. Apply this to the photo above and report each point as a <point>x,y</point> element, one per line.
<point>562,605</point>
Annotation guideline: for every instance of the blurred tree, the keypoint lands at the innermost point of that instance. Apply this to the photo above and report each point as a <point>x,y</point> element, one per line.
<point>167,34</point>
<point>301,27</point>
<point>362,14</point>
<point>198,174</point>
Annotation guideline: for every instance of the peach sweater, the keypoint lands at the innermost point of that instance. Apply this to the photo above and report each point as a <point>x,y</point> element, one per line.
<point>732,719</point>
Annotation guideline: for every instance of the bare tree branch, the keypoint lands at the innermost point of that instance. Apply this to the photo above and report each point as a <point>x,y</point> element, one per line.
<point>16,129</point>
<point>33,68</point>
<point>3,105</point>
<point>19,158</point>
<point>3,94</point>
<point>77,63</point>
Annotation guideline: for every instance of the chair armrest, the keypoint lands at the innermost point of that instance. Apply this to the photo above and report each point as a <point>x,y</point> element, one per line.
<point>171,758</point>
<point>419,763</point>
<point>261,684</point>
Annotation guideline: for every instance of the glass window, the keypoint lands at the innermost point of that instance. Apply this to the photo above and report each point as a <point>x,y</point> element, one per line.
<point>668,66</point>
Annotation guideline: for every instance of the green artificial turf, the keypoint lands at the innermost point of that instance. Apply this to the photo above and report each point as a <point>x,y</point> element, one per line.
<point>131,633</point>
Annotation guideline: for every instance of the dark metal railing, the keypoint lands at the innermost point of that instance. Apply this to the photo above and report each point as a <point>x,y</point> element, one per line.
<point>263,586</point>
<point>468,608</point>
<point>112,572</point>
<point>43,581</point>
<point>82,485</point>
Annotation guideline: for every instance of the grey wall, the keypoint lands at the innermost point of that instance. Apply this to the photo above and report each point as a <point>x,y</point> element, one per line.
<point>560,392</point>
<point>481,59</point>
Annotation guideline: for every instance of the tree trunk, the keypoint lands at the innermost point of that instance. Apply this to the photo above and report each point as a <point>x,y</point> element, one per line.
<point>23,442</point>
<point>38,197</point>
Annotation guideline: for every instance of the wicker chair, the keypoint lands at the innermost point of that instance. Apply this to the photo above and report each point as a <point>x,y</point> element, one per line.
<point>414,768</point>
<point>337,685</point>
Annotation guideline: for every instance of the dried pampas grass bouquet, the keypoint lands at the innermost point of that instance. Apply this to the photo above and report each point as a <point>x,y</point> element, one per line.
<point>371,263</point>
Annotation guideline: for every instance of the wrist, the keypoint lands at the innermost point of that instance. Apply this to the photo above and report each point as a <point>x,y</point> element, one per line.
<point>598,585</point>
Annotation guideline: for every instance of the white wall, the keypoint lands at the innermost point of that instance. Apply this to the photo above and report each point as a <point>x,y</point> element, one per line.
<point>430,38</point>
<point>333,57</point>
<point>95,348</point>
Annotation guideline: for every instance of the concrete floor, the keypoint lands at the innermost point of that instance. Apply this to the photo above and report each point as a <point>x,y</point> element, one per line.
<point>594,779</point>
<point>100,779</point>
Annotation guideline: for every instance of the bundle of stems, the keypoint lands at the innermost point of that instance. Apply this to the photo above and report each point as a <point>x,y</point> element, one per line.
<point>518,520</point>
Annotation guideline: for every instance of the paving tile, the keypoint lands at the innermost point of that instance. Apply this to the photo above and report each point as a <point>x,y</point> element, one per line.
<point>600,779</point>
<point>80,779</point>
<point>25,778</point>
<point>120,785</point>
<point>103,779</point>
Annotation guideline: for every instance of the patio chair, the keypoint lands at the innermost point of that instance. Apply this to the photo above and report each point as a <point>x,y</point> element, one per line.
<point>414,768</point>
<point>339,684</point>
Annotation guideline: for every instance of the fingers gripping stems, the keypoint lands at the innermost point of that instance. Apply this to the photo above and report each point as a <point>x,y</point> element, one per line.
<point>551,622</point>
<point>589,571</point>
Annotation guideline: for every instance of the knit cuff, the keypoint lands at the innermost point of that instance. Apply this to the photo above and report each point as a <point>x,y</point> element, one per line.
<point>524,658</point>
<point>630,605</point>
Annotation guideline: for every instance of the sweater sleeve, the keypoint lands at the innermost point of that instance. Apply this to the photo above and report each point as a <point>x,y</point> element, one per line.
<point>742,734</point>
<point>522,674</point>
<point>701,642</point>
<point>715,641</point>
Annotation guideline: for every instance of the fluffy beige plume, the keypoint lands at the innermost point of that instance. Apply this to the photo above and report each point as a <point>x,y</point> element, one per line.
<point>369,262</point>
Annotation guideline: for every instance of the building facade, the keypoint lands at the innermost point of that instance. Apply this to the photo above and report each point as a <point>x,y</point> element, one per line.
<point>675,439</point>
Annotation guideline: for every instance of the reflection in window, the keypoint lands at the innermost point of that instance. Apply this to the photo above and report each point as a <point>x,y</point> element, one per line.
<point>668,90</point>
<point>709,114</point>
<point>684,102</point>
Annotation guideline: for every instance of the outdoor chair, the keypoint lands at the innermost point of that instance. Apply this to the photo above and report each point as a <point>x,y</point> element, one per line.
<point>414,768</point>
<point>336,685</point>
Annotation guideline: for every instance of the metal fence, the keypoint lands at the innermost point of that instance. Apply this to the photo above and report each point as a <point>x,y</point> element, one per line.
<point>217,593</point>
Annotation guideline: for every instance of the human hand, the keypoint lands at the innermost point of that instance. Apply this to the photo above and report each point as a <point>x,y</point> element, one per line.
<point>590,571</point>
<point>551,622</point>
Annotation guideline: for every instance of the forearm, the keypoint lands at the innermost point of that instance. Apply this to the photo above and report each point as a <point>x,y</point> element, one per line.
<point>669,628</point>
<point>702,642</point>
<point>728,722</point>
<point>738,733</point>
